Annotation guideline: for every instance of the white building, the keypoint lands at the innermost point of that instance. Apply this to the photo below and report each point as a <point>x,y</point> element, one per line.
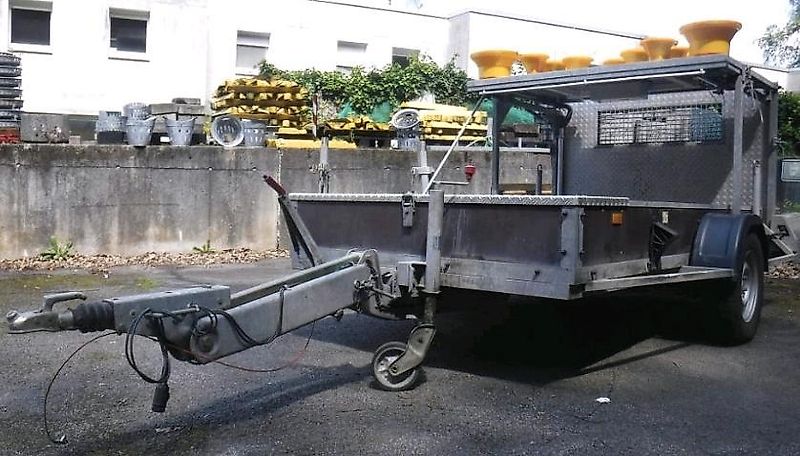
<point>81,56</point>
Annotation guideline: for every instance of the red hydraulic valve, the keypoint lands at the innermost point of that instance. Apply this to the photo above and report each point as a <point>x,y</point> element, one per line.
<point>469,171</point>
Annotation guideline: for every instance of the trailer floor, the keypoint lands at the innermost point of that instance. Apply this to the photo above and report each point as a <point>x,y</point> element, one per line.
<point>502,379</point>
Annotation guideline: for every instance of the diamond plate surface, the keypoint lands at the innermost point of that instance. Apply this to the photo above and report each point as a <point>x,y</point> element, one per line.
<point>684,172</point>
<point>524,200</point>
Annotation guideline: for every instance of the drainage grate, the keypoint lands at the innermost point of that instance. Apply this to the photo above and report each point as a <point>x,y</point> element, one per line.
<point>665,124</point>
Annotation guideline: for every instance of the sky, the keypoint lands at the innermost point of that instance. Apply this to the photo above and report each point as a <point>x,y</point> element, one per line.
<point>637,16</point>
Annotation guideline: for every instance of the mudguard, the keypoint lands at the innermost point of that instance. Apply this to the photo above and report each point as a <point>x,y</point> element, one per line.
<point>719,240</point>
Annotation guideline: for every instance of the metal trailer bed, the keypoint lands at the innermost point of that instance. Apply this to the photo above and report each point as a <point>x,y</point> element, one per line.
<point>658,145</point>
<point>664,172</point>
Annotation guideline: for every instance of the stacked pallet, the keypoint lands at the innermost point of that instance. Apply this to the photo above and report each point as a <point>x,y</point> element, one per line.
<point>10,101</point>
<point>277,102</point>
<point>355,126</point>
<point>441,123</point>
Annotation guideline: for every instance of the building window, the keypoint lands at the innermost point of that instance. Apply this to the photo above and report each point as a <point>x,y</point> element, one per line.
<point>251,50</point>
<point>349,55</point>
<point>128,30</point>
<point>30,22</point>
<point>402,56</point>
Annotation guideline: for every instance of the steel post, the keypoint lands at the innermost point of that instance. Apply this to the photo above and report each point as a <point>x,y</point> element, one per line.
<point>770,164</point>
<point>758,194</point>
<point>738,120</point>
<point>324,174</point>
<point>539,179</point>
<point>422,162</point>
<point>433,252</point>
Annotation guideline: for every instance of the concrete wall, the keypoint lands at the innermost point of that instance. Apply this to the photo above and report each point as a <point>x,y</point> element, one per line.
<point>126,201</point>
<point>122,200</point>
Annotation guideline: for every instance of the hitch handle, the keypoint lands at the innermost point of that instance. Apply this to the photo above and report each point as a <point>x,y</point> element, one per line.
<point>51,299</point>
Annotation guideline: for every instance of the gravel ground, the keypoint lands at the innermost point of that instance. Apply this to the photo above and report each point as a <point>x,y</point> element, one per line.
<point>502,378</point>
<point>102,263</point>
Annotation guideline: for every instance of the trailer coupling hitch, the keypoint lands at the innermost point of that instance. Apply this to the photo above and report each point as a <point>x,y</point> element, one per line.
<point>45,319</point>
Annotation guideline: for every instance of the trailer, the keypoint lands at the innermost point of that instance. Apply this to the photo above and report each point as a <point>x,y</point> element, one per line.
<point>663,173</point>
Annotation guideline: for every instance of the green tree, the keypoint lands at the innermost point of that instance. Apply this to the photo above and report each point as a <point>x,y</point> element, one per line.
<point>781,45</point>
<point>789,122</point>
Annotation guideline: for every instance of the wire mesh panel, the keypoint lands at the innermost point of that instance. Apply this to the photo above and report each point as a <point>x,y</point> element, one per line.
<point>660,124</point>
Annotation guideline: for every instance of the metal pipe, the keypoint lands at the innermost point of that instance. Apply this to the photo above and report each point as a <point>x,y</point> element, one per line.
<point>433,252</point>
<point>559,187</point>
<point>496,123</point>
<point>452,146</point>
<point>324,175</point>
<point>422,161</point>
<point>539,179</point>
<point>738,122</point>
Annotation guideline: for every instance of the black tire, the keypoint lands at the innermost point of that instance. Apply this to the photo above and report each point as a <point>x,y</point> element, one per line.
<point>738,306</point>
<point>384,356</point>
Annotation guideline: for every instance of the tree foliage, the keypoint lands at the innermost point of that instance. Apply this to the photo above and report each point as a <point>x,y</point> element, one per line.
<point>365,89</point>
<point>789,122</point>
<point>781,44</point>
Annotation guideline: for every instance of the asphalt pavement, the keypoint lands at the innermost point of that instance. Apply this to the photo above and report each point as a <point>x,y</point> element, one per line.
<point>516,377</point>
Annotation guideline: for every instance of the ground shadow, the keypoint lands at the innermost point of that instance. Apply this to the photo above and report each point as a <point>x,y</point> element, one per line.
<point>539,341</point>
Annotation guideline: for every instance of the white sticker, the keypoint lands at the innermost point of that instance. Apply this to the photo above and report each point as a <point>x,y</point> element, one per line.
<point>664,217</point>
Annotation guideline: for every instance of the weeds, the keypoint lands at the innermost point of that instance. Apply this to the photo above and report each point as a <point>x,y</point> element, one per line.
<point>205,248</point>
<point>57,251</point>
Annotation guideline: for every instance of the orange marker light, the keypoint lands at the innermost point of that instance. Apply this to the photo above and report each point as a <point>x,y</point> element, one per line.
<point>616,218</point>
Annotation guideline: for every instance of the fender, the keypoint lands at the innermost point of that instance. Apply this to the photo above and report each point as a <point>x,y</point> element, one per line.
<point>719,240</point>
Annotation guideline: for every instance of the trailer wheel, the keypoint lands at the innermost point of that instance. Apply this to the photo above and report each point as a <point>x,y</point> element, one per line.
<point>385,355</point>
<point>739,309</point>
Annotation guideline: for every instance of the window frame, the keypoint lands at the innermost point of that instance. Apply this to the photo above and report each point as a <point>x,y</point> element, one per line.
<point>132,15</point>
<point>350,54</point>
<point>251,39</point>
<point>30,5</point>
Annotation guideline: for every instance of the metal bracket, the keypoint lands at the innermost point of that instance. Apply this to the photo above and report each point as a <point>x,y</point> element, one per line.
<point>419,341</point>
<point>298,231</point>
<point>408,206</point>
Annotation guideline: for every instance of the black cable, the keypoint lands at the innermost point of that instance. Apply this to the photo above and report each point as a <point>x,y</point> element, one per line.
<point>63,439</point>
<point>130,352</point>
<point>238,330</point>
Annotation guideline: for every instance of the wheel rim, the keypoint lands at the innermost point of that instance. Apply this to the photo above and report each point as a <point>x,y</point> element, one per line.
<point>749,287</point>
<point>382,369</point>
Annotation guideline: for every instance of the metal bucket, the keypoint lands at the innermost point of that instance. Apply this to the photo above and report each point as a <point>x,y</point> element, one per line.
<point>136,110</point>
<point>255,133</point>
<point>139,131</point>
<point>180,131</point>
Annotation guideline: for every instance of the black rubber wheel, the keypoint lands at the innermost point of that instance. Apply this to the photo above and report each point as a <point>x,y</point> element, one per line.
<point>739,307</point>
<point>384,356</point>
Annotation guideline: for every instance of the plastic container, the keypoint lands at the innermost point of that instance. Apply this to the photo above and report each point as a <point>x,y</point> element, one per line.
<point>255,133</point>
<point>613,61</point>
<point>637,54</point>
<point>657,48</point>
<point>494,63</point>
<point>677,52</point>
<point>534,62</point>
<point>180,131</point>
<point>554,65</point>
<point>573,62</point>
<point>227,131</point>
<point>139,131</point>
<point>710,37</point>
